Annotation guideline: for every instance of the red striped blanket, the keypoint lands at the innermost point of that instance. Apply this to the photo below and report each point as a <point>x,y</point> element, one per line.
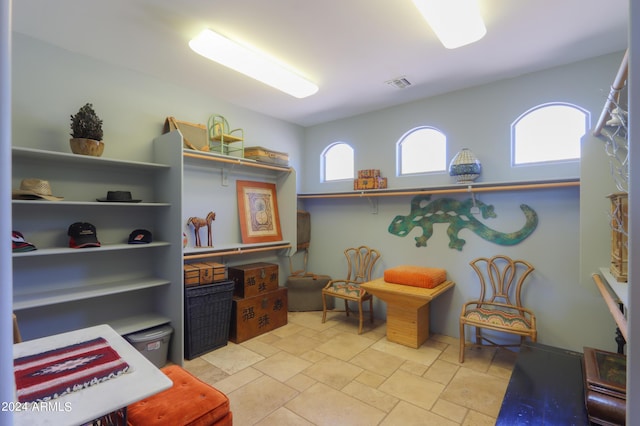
<point>54,373</point>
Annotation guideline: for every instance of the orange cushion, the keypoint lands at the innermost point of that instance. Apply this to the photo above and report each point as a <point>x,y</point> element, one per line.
<point>416,276</point>
<point>188,402</point>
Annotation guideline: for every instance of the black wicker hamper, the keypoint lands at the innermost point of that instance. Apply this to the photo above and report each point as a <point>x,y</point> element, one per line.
<point>207,317</point>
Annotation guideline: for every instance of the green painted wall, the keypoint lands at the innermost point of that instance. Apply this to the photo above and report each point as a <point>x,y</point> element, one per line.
<point>51,83</point>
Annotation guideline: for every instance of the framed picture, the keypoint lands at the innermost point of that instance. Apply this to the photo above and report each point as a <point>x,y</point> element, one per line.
<point>258,211</point>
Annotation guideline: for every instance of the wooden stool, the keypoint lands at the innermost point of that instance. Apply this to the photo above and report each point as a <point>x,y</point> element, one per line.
<point>189,402</point>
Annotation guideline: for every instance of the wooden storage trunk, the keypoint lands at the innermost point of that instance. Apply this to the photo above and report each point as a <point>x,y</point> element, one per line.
<point>254,278</point>
<point>191,275</point>
<point>370,183</point>
<point>203,273</point>
<point>253,316</point>
<point>619,229</point>
<point>211,272</point>
<point>368,173</point>
<point>264,155</point>
<point>605,386</point>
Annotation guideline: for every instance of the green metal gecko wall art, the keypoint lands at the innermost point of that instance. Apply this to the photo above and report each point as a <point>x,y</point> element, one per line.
<point>459,215</point>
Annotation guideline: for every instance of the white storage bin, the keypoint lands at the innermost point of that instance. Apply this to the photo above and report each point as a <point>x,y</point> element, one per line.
<point>153,343</point>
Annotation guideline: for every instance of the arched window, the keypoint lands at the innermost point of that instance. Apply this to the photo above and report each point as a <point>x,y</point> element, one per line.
<point>421,150</point>
<point>547,133</point>
<point>337,162</point>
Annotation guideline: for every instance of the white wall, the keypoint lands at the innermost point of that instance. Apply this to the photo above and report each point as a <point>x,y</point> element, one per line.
<point>570,311</point>
<point>633,351</point>
<point>50,84</point>
<point>6,294</point>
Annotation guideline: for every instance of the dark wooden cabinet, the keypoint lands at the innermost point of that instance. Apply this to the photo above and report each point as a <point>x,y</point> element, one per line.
<point>546,388</point>
<point>253,316</point>
<point>259,305</point>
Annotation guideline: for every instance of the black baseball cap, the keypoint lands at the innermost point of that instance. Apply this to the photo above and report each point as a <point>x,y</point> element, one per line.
<point>140,236</point>
<point>83,234</point>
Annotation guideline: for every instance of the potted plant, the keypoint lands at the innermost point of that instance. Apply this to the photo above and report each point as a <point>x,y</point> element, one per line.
<point>86,132</point>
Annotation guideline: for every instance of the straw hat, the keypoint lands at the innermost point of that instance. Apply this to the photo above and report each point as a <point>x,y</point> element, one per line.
<point>33,189</point>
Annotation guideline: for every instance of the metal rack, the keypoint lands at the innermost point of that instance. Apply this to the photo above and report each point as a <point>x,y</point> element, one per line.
<point>222,139</point>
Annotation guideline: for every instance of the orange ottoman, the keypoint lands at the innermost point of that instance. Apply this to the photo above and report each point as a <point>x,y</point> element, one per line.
<point>416,276</point>
<point>188,402</point>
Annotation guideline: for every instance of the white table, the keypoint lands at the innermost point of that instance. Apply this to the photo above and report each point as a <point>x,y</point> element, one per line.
<point>141,381</point>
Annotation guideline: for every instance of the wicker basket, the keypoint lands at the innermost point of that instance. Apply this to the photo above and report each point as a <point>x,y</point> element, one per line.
<point>207,317</point>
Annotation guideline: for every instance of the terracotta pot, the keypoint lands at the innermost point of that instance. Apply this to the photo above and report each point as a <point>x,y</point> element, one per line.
<point>84,146</point>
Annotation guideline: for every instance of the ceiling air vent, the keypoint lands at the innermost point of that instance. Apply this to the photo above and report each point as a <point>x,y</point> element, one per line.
<point>399,82</point>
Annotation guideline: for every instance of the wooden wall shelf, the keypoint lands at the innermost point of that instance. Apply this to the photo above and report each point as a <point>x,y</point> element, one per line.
<point>244,162</point>
<point>618,316</point>
<point>452,189</point>
<point>203,253</point>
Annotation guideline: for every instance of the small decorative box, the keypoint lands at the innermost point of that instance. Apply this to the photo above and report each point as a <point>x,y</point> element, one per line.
<point>368,173</point>
<point>370,183</point>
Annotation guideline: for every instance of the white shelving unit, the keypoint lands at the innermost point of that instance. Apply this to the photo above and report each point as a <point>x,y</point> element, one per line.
<point>131,287</point>
<point>209,184</point>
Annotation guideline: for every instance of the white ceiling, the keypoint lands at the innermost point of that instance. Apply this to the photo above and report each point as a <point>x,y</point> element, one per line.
<point>348,47</point>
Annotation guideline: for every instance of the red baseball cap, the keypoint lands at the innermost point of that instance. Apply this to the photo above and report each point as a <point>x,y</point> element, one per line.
<point>19,244</point>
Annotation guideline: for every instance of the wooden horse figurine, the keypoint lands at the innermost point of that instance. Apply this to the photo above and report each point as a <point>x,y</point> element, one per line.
<point>198,223</point>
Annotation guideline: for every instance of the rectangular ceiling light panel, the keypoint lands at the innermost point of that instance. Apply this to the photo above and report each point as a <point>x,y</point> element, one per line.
<point>455,22</point>
<point>253,64</point>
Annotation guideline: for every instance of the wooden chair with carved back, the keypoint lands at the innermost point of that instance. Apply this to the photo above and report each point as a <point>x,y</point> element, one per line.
<point>360,263</point>
<point>499,306</point>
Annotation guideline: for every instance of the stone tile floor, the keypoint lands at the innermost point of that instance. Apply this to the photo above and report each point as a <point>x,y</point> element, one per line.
<point>309,373</point>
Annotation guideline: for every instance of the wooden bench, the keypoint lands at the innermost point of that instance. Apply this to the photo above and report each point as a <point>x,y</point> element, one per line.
<point>407,309</point>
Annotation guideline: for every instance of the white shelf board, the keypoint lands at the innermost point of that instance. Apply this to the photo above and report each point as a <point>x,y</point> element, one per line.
<point>32,153</point>
<point>232,246</point>
<point>191,155</point>
<point>448,188</point>
<point>136,323</point>
<point>620,289</point>
<point>51,297</point>
<point>57,251</point>
<point>43,203</point>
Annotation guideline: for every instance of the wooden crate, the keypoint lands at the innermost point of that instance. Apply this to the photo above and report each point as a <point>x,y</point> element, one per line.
<point>254,279</point>
<point>619,230</point>
<point>203,273</point>
<point>210,272</point>
<point>264,155</point>
<point>370,183</point>
<point>253,316</point>
<point>191,275</point>
<point>368,173</point>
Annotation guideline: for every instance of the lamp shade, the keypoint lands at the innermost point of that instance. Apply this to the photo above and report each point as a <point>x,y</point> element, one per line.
<point>465,166</point>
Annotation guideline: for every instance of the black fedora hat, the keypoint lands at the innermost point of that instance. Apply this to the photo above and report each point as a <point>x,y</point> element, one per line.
<point>118,197</point>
